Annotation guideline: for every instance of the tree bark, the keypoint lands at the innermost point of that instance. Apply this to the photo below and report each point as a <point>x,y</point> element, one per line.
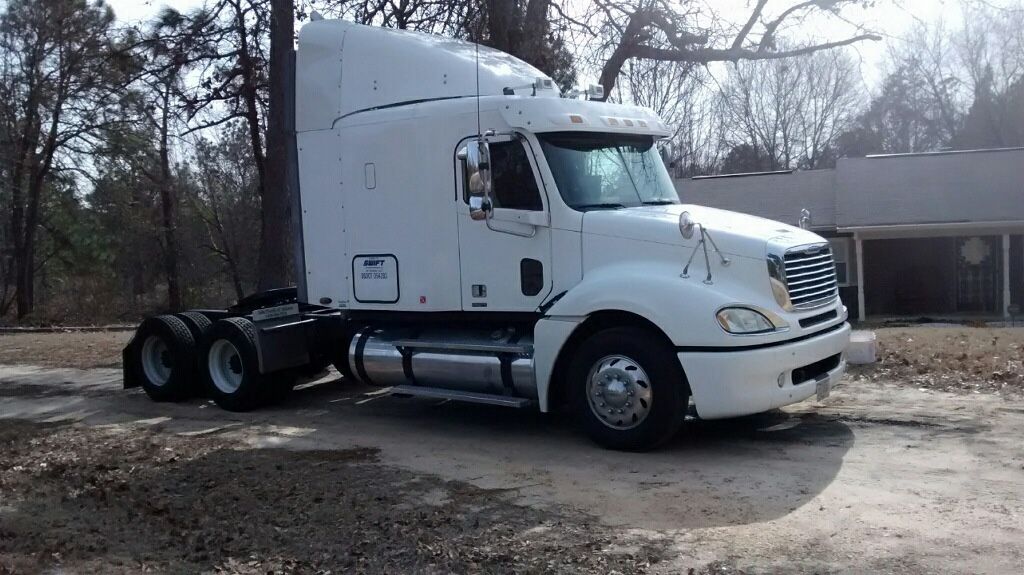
<point>40,165</point>
<point>623,51</point>
<point>273,265</point>
<point>25,155</point>
<point>535,31</point>
<point>167,209</point>
<point>502,25</point>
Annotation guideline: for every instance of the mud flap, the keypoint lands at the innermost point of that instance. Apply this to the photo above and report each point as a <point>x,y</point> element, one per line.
<point>130,364</point>
<point>282,340</point>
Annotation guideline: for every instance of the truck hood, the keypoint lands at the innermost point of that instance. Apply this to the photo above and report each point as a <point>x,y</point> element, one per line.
<point>734,233</point>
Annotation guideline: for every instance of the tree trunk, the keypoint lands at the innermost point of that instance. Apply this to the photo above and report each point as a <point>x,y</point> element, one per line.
<point>24,155</point>
<point>26,261</point>
<point>624,51</point>
<point>236,278</point>
<point>167,211</point>
<point>502,25</point>
<point>24,152</point>
<point>535,31</point>
<point>273,265</point>
<point>26,218</point>
<point>26,257</point>
<point>18,239</point>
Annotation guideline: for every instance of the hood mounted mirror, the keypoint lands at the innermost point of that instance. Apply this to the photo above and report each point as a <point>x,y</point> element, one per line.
<point>805,219</point>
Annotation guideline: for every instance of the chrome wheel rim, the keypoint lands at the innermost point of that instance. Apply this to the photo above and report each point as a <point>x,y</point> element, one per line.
<point>619,392</point>
<point>225,366</point>
<point>157,362</point>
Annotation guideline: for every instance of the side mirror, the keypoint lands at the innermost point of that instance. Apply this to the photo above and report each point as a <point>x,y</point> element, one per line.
<point>478,180</point>
<point>479,207</point>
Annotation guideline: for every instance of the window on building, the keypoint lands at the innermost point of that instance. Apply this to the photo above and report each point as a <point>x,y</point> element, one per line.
<point>841,256</point>
<point>513,185</point>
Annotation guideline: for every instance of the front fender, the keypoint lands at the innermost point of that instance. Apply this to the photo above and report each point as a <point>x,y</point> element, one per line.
<point>683,308</point>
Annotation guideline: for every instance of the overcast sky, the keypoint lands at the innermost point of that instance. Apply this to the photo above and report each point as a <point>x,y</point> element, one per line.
<point>888,17</point>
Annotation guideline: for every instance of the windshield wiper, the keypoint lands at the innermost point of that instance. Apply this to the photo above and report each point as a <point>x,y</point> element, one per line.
<point>660,202</point>
<point>605,206</point>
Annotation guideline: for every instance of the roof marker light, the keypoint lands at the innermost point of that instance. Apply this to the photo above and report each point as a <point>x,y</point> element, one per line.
<point>576,119</point>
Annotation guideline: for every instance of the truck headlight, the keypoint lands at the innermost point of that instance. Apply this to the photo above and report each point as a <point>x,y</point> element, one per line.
<point>742,320</point>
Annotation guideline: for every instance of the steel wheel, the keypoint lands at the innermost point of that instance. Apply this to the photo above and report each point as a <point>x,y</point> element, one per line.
<point>161,358</point>
<point>619,392</point>
<point>157,361</point>
<point>232,366</point>
<point>225,366</point>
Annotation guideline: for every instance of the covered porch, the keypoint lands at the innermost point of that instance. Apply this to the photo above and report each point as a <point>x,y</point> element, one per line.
<point>944,270</point>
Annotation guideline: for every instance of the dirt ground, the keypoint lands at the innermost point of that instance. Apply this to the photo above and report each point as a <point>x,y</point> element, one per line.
<point>64,349</point>
<point>112,500</point>
<point>950,358</point>
<point>900,471</point>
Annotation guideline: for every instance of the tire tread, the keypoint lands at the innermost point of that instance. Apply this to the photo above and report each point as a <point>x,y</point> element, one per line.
<point>198,323</point>
<point>256,389</point>
<point>183,344</point>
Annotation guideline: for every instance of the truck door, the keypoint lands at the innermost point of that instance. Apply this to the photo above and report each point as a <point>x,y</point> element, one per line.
<point>506,260</point>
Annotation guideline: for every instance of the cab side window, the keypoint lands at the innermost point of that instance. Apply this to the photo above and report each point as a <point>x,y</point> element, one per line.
<point>513,185</point>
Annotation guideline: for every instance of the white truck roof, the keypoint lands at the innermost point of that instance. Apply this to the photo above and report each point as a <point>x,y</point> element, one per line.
<point>343,67</point>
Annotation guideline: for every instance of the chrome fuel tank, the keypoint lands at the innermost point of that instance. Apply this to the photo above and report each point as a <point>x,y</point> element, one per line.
<point>495,362</point>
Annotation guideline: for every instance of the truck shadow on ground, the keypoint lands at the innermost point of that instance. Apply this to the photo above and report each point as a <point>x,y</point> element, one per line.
<point>712,473</point>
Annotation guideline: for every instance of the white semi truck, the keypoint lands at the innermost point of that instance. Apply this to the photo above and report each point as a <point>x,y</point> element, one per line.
<point>468,232</point>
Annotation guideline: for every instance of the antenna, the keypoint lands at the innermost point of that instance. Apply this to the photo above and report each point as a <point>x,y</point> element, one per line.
<point>478,130</point>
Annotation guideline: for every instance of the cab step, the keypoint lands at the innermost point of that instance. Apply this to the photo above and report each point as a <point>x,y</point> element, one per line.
<point>465,396</point>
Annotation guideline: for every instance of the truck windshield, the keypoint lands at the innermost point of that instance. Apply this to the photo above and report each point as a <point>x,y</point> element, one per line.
<point>607,171</point>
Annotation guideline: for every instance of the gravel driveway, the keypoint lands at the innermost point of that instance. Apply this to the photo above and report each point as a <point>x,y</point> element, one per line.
<point>878,478</point>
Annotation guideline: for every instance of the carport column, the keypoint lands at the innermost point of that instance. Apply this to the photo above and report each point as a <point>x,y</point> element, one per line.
<point>861,313</point>
<point>1006,275</point>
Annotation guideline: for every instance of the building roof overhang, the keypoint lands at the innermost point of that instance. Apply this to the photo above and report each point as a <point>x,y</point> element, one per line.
<point>934,229</point>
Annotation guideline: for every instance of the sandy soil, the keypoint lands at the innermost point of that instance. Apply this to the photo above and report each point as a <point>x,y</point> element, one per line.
<point>879,478</point>
<point>72,349</point>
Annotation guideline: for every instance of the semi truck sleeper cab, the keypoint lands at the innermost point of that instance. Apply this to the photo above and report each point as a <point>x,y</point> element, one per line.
<point>466,232</point>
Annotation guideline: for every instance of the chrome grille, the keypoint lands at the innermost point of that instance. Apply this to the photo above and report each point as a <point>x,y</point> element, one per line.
<point>811,276</point>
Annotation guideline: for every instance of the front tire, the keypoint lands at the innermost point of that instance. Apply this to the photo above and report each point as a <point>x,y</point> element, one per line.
<point>628,389</point>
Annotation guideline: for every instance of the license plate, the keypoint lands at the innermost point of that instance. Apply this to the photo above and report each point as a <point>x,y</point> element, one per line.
<point>824,388</point>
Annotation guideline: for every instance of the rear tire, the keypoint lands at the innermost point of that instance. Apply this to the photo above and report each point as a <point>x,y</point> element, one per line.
<point>165,362</point>
<point>628,389</point>
<point>231,366</point>
<point>198,324</point>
